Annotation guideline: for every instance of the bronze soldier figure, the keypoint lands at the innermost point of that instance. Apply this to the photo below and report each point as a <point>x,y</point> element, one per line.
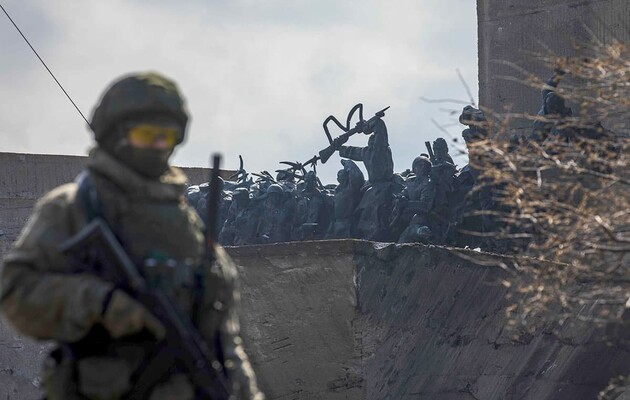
<point>346,199</point>
<point>416,200</point>
<point>376,204</point>
<point>242,223</point>
<point>312,211</point>
<point>275,223</point>
<point>553,112</point>
<point>442,174</point>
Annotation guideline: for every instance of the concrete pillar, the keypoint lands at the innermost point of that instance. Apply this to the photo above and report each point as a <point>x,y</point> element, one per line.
<point>514,31</point>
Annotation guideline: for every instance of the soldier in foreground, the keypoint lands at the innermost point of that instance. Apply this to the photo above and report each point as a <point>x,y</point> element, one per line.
<point>105,337</point>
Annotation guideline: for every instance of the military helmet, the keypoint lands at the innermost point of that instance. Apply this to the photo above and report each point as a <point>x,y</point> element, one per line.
<point>420,159</point>
<point>240,192</point>
<point>274,188</point>
<point>310,177</point>
<point>138,95</point>
<point>471,116</point>
<point>555,104</point>
<point>440,144</point>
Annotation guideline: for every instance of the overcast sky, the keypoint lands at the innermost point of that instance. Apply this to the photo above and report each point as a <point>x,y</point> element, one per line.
<point>259,77</point>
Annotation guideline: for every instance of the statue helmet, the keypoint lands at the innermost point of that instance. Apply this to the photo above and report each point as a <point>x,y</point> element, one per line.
<point>274,188</point>
<point>440,145</point>
<point>310,177</point>
<point>138,95</point>
<point>240,193</point>
<point>555,104</point>
<point>420,160</point>
<point>471,116</point>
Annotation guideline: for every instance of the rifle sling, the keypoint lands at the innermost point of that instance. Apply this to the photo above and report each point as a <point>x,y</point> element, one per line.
<point>88,197</point>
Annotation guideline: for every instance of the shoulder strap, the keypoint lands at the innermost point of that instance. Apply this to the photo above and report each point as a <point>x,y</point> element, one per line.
<point>87,195</point>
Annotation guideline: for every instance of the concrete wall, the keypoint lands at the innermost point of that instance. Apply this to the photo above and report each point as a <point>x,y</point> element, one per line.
<point>514,30</point>
<point>299,309</point>
<point>356,320</point>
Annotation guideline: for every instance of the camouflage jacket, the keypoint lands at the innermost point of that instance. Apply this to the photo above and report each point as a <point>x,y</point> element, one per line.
<point>42,297</point>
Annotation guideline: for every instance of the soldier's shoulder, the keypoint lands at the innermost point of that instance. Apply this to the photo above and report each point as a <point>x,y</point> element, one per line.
<point>52,216</point>
<point>60,197</point>
<point>225,263</point>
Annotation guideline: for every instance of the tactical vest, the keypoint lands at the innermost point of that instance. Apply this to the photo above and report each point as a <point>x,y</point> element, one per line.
<point>162,238</point>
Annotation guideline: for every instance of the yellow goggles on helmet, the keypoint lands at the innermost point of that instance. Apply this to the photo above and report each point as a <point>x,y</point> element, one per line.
<point>150,135</point>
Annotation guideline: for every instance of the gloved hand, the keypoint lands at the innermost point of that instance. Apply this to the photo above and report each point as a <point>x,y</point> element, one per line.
<point>123,316</point>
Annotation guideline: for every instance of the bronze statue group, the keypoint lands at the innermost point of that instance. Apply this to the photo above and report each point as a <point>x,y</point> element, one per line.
<point>433,202</point>
<point>428,203</point>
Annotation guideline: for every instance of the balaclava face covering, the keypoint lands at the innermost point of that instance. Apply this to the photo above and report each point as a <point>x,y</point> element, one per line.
<point>148,162</point>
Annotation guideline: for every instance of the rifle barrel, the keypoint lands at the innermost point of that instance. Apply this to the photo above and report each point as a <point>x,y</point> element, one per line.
<point>214,197</point>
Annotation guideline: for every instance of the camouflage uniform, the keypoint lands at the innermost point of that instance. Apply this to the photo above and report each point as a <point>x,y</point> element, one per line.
<point>43,297</point>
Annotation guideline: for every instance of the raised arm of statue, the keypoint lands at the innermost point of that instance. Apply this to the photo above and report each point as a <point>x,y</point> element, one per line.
<point>352,152</point>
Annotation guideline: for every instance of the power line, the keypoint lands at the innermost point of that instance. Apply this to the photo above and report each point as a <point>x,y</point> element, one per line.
<point>45,66</point>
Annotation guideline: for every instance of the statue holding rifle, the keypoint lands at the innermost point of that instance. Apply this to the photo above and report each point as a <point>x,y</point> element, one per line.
<point>375,206</point>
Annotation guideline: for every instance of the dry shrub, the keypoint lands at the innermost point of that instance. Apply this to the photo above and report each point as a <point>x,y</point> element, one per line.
<point>564,203</point>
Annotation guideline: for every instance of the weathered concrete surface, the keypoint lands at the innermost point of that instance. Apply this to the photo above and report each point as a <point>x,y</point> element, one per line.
<point>512,30</point>
<point>440,324</point>
<point>299,304</point>
<point>353,320</point>
<point>20,360</point>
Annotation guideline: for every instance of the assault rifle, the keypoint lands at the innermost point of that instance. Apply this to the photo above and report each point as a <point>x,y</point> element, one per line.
<point>100,253</point>
<point>334,144</point>
<point>361,126</point>
<point>214,198</point>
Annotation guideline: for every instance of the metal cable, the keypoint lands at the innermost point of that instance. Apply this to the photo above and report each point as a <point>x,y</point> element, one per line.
<point>46,66</point>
